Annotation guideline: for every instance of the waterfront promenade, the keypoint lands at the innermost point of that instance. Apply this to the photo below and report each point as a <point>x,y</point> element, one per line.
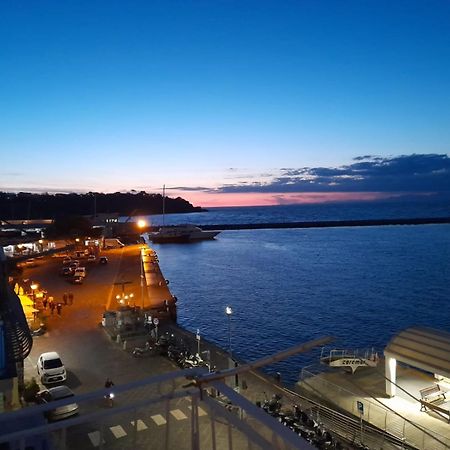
<point>90,355</point>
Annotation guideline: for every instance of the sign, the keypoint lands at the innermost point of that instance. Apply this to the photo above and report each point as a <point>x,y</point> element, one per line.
<point>156,321</point>
<point>360,406</point>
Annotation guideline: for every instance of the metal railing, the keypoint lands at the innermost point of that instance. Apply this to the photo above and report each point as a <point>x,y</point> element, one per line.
<point>161,412</point>
<point>380,416</point>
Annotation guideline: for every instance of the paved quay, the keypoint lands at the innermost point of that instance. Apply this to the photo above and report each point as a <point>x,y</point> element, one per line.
<point>90,355</point>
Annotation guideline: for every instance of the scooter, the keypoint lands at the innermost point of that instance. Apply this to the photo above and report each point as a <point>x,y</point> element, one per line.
<point>109,399</point>
<point>142,351</point>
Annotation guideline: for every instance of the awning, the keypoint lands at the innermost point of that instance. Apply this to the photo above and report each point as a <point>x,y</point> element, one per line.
<point>26,301</point>
<point>425,348</point>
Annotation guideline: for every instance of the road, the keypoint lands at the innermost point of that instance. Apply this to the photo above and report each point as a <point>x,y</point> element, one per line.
<point>90,356</point>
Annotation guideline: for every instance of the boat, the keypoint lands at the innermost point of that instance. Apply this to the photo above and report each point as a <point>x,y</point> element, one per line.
<point>350,359</point>
<point>181,234</point>
<point>178,233</point>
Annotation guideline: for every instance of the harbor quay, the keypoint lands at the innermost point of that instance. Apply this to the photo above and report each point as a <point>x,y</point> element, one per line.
<point>95,334</point>
<point>126,304</point>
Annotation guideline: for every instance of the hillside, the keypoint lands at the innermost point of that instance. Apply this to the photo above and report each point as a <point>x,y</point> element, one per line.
<point>26,205</point>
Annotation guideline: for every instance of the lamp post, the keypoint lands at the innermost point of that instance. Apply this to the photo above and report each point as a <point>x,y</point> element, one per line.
<point>229,312</point>
<point>124,298</point>
<point>141,224</point>
<point>33,287</point>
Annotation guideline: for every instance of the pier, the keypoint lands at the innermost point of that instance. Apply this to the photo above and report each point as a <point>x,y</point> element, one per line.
<point>329,224</point>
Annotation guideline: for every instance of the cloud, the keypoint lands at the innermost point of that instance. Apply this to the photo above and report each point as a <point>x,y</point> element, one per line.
<point>414,173</point>
<point>189,188</point>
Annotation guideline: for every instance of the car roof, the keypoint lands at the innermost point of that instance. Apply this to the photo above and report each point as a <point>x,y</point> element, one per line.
<point>60,392</point>
<point>50,355</point>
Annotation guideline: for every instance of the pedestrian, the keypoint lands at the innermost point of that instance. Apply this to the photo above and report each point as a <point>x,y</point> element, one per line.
<point>52,306</point>
<point>44,303</point>
<point>65,298</point>
<point>109,395</point>
<point>70,298</point>
<point>58,308</point>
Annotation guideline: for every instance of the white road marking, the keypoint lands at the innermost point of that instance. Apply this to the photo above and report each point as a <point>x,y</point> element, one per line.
<point>178,414</point>
<point>94,436</point>
<point>140,425</point>
<point>118,431</point>
<point>159,419</point>
<point>201,411</point>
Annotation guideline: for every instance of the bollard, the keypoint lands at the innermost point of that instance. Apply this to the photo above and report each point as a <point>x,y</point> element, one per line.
<point>118,338</point>
<point>124,345</point>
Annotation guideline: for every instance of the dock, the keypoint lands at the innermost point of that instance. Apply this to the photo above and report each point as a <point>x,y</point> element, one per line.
<point>363,396</point>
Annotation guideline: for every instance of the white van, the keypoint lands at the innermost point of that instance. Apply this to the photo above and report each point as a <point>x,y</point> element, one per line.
<point>113,243</point>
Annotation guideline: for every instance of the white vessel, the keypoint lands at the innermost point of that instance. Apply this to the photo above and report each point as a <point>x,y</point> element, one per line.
<point>181,233</point>
<point>350,359</point>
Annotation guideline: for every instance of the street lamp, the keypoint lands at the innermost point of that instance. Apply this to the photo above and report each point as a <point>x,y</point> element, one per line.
<point>229,312</point>
<point>33,287</point>
<point>123,298</point>
<point>141,223</point>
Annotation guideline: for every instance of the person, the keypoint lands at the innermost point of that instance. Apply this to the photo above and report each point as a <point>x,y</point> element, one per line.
<point>44,303</point>
<point>109,395</point>
<point>70,298</point>
<point>52,306</point>
<point>65,298</point>
<point>58,308</point>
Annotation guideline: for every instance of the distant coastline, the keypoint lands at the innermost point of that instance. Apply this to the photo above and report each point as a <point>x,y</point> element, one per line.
<point>25,205</point>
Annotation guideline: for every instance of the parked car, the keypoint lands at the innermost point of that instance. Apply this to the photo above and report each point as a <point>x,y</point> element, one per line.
<point>91,258</point>
<point>74,264</point>
<point>80,272</point>
<point>50,368</point>
<point>66,271</point>
<point>57,393</point>
<point>103,260</point>
<point>77,280</point>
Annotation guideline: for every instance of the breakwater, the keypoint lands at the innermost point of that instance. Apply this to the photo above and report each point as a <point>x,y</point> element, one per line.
<point>329,224</point>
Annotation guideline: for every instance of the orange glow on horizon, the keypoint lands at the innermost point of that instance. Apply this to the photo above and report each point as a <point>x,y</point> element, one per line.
<point>211,199</point>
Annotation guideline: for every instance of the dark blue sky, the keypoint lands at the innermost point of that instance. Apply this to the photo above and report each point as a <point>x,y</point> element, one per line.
<point>137,94</point>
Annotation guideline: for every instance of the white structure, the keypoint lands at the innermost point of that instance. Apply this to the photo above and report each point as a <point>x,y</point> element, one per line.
<point>424,348</point>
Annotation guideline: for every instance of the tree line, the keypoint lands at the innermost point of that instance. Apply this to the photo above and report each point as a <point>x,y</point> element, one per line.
<point>25,205</point>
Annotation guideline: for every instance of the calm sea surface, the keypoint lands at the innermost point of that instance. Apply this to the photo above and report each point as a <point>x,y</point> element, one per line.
<point>361,285</point>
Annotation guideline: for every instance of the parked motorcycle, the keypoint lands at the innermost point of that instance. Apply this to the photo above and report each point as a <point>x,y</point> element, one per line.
<point>147,350</point>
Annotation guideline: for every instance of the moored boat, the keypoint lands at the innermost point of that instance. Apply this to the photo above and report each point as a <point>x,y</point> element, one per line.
<point>180,234</point>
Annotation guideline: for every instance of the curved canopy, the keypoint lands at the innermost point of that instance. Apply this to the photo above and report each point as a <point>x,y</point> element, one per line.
<point>425,348</point>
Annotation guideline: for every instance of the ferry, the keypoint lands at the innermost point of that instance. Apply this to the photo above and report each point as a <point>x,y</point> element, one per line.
<point>181,234</point>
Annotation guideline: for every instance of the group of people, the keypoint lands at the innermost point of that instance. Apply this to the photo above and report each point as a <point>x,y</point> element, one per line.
<point>50,302</point>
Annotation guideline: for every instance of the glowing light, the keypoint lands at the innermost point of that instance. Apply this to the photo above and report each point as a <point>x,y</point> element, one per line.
<point>141,223</point>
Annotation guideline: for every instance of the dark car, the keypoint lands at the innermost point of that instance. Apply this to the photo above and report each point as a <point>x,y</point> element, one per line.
<point>66,271</point>
<point>103,260</point>
<point>57,393</point>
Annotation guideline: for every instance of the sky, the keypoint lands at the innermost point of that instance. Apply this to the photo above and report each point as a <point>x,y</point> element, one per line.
<point>226,102</point>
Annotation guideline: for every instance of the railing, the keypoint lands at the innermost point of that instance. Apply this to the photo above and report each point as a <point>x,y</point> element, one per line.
<point>345,353</point>
<point>381,417</point>
<point>161,412</point>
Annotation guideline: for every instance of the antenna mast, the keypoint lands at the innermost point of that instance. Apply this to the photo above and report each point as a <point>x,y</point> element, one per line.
<point>164,204</point>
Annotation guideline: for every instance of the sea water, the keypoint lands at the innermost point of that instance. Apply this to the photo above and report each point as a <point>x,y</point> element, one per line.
<point>361,285</point>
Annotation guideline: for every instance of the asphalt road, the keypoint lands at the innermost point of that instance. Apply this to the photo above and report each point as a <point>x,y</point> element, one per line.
<point>90,357</point>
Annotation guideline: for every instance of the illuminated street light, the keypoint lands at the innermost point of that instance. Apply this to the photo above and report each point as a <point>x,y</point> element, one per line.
<point>229,312</point>
<point>141,223</point>
<point>33,287</point>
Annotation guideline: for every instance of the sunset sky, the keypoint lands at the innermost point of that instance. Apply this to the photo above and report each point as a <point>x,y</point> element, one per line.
<point>226,102</point>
